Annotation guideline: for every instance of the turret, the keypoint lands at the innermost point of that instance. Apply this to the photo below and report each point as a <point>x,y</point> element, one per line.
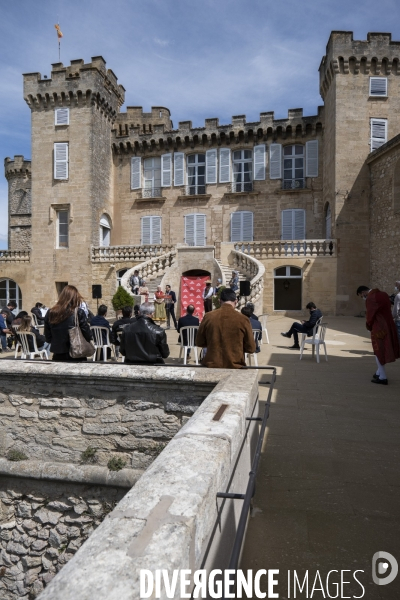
<point>18,174</point>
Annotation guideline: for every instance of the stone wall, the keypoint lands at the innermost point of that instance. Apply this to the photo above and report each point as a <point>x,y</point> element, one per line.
<point>385,218</point>
<point>42,525</point>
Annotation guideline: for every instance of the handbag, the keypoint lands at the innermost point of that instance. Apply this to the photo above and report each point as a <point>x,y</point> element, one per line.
<point>79,347</point>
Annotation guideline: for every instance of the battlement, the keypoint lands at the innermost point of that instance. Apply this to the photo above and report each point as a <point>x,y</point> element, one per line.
<point>78,84</point>
<point>17,166</point>
<point>378,55</point>
<point>158,120</point>
<point>136,139</point>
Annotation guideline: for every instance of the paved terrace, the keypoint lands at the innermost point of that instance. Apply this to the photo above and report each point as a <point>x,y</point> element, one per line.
<point>328,489</point>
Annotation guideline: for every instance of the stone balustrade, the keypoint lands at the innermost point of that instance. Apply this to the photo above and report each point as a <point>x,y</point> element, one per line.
<point>127,253</point>
<point>15,255</point>
<point>150,268</point>
<point>282,248</point>
<point>253,270</point>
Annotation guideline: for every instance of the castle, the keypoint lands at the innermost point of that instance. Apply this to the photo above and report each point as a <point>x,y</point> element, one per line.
<point>306,208</point>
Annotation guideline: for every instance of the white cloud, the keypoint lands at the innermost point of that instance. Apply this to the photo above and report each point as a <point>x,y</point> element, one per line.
<point>161,42</point>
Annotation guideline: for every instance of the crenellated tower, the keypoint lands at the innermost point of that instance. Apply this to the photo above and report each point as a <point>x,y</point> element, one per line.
<point>18,174</point>
<point>360,85</point>
<point>73,114</point>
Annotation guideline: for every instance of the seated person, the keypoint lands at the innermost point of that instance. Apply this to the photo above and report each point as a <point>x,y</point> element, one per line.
<point>3,331</point>
<point>9,312</point>
<point>26,327</point>
<point>37,311</point>
<point>187,321</point>
<point>304,326</point>
<point>250,305</point>
<point>255,325</point>
<point>143,342</point>
<point>101,321</point>
<point>119,323</point>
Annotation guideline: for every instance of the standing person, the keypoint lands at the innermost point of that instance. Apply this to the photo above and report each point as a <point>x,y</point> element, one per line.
<point>396,308</point>
<point>170,301</point>
<point>144,290</point>
<point>144,342</point>
<point>304,326</point>
<point>226,334</point>
<point>135,282</point>
<point>59,319</point>
<point>187,321</point>
<point>207,297</point>
<point>234,281</point>
<point>159,305</point>
<point>379,321</point>
<point>3,331</point>
<point>26,327</point>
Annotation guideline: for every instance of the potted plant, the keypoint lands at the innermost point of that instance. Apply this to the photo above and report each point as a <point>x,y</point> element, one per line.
<point>120,299</point>
<point>217,298</point>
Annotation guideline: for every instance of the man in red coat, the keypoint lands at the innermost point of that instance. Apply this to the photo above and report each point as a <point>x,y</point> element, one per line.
<point>385,342</point>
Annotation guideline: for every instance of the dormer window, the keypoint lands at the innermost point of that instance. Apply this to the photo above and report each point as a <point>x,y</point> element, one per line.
<point>61,116</point>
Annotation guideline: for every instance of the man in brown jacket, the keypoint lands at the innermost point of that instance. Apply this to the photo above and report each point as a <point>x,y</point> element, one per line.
<point>226,334</point>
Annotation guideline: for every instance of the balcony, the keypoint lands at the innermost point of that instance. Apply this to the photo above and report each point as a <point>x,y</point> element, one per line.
<point>240,187</point>
<point>283,248</point>
<point>195,190</point>
<point>294,184</point>
<point>153,193</point>
<point>15,255</point>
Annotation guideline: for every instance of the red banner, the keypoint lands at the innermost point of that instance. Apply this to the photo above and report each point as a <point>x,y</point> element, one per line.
<point>192,293</point>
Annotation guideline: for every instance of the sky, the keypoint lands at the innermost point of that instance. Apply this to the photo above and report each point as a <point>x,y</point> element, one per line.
<point>204,59</point>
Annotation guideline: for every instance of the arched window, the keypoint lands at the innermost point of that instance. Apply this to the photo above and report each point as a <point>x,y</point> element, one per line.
<point>120,274</point>
<point>10,290</point>
<point>287,288</point>
<point>396,187</point>
<point>293,167</point>
<point>105,231</point>
<point>328,223</point>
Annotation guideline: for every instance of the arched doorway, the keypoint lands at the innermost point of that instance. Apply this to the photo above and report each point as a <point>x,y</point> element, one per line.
<point>10,290</point>
<point>287,288</point>
<point>193,283</point>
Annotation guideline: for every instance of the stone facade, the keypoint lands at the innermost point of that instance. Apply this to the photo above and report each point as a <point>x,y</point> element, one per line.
<point>103,142</point>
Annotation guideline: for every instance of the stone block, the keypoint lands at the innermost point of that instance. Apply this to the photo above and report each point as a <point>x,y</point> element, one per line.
<point>96,429</point>
<point>7,411</point>
<point>27,414</point>
<point>17,400</point>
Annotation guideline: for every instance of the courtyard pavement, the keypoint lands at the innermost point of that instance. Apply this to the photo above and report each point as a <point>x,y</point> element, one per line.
<point>328,485</point>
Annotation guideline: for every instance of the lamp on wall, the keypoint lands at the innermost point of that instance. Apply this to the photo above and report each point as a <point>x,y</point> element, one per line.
<point>286,285</point>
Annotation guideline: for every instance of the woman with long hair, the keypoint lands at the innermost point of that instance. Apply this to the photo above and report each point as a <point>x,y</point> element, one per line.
<point>27,327</point>
<point>60,318</point>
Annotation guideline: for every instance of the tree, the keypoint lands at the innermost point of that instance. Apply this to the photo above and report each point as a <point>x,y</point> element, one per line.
<point>122,298</point>
<point>217,298</point>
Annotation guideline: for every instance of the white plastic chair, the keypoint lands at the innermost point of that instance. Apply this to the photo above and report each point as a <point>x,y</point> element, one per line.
<point>35,322</point>
<point>26,352</point>
<point>263,319</point>
<point>190,342</point>
<point>98,342</point>
<point>18,346</point>
<point>317,340</point>
<point>249,357</point>
<point>117,352</point>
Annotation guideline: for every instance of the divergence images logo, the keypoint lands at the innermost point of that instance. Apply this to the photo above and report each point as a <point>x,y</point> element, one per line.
<point>384,564</point>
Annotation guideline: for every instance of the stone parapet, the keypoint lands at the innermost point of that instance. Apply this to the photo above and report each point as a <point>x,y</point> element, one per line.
<point>128,253</point>
<point>15,255</point>
<point>17,166</point>
<point>79,84</point>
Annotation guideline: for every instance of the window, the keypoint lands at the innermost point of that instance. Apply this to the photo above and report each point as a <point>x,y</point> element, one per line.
<point>293,224</point>
<point>61,160</point>
<point>10,290</point>
<point>179,168</point>
<point>242,170</point>
<point>195,230</point>
<point>61,116</point>
<point>378,133</point>
<point>196,166</point>
<point>120,274</point>
<point>293,167</point>
<point>378,87</point>
<point>151,230</point>
<point>242,226</point>
<point>105,231</point>
<point>62,228</point>
<point>152,177</point>
<point>136,174</point>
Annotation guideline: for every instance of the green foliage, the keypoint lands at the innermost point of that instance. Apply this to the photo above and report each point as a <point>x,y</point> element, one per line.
<point>16,455</point>
<point>122,298</point>
<point>116,464</point>
<point>217,299</point>
<point>89,455</point>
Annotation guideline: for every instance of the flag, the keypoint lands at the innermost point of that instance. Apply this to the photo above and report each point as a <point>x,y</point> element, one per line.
<point>59,32</point>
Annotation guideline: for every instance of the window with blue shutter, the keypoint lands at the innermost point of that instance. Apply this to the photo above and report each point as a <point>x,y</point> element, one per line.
<point>61,160</point>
